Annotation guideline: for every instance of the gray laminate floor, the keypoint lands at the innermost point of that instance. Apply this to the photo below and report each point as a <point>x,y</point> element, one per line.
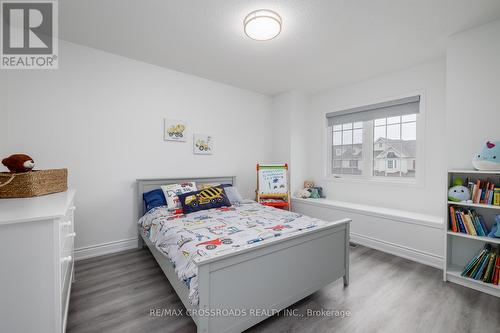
<point>115,293</point>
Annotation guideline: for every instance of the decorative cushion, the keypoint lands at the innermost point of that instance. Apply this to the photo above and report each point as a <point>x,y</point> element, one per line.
<point>154,198</point>
<point>171,192</point>
<point>206,185</point>
<point>209,198</point>
<point>232,194</point>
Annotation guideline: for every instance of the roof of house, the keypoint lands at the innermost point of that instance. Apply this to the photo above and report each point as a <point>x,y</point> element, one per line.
<point>350,152</point>
<point>404,148</point>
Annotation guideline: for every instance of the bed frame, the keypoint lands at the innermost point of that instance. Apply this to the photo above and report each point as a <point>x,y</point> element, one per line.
<point>258,281</point>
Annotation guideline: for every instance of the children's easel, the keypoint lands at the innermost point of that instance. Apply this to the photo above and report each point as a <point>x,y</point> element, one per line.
<point>273,185</point>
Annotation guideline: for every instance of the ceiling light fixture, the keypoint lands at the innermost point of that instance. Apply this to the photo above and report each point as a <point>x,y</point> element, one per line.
<point>262,24</point>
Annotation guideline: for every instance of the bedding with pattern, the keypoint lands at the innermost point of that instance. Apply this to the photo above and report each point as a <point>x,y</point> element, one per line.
<point>216,231</point>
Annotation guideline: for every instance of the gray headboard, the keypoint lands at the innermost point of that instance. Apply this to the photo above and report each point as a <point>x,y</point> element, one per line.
<point>146,185</point>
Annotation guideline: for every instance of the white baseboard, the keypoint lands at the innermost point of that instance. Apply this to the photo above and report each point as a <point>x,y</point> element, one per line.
<point>399,250</point>
<point>105,248</point>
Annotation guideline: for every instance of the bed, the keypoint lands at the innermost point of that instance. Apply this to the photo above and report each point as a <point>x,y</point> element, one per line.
<point>237,289</point>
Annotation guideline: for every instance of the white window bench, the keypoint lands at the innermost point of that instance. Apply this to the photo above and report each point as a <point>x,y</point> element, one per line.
<point>418,237</point>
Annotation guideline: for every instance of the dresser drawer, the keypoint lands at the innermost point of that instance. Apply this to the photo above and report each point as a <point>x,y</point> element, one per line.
<point>65,293</point>
<point>66,229</point>
<point>66,244</point>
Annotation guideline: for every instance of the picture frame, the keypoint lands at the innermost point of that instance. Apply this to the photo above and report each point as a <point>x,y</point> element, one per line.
<point>174,130</point>
<point>203,144</point>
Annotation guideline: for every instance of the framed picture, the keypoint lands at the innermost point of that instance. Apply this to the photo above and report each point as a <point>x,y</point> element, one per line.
<point>203,144</point>
<point>174,130</point>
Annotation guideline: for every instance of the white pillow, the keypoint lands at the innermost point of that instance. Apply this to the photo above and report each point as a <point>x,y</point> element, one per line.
<point>233,195</point>
<point>172,191</point>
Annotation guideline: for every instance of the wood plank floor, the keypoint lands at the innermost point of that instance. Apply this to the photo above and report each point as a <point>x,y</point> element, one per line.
<point>115,293</point>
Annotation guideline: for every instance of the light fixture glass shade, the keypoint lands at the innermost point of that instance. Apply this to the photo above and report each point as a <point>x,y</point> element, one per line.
<point>262,24</point>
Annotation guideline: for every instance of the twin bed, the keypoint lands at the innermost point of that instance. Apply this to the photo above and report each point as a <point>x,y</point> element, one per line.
<point>234,267</point>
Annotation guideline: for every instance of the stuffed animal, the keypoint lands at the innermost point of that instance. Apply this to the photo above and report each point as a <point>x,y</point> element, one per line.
<point>314,193</point>
<point>489,157</point>
<point>303,194</point>
<point>320,191</point>
<point>19,163</point>
<point>308,184</point>
<point>458,192</point>
<point>495,230</point>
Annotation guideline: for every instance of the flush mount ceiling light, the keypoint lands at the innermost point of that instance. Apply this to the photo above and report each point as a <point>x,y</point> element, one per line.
<point>262,24</point>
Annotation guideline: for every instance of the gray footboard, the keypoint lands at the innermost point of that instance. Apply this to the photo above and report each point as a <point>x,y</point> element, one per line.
<point>270,277</point>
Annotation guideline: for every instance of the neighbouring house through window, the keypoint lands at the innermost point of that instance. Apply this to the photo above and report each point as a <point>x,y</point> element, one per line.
<point>375,141</point>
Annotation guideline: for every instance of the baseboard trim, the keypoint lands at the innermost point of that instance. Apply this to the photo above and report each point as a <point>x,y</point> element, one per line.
<point>399,250</point>
<point>105,248</point>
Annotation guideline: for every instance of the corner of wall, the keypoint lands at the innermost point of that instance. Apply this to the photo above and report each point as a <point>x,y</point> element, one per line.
<point>472,81</point>
<point>290,132</point>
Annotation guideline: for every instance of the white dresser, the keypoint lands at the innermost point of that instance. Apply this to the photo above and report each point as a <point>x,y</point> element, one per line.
<point>36,262</point>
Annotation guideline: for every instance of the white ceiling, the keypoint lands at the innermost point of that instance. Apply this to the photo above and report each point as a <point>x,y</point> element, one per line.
<point>324,43</point>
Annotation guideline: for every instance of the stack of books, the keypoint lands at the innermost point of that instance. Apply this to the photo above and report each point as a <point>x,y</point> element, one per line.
<point>467,221</point>
<point>483,192</point>
<point>485,266</point>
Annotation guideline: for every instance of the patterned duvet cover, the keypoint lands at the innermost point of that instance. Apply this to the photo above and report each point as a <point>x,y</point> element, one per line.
<point>214,232</point>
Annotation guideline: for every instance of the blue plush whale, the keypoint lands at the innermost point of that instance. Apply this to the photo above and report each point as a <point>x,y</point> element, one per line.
<point>489,157</point>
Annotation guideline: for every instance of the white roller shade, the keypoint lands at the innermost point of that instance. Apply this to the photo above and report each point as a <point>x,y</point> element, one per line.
<point>399,107</point>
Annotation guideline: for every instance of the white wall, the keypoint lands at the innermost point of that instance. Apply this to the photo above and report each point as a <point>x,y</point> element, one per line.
<point>3,115</point>
<point>101,116</point>
<point>281,120</point>
<point>473,92</point>
<point>289,118</point>
<point>425,199</point>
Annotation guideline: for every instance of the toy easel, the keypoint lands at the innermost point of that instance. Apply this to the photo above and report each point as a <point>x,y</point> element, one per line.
<point>272,185</point>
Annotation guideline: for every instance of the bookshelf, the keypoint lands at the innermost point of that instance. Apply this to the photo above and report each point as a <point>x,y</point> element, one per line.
<point>473,205</point>
<point>460,248</point>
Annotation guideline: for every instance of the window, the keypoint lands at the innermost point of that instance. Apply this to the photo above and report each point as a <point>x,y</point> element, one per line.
<point>347,148</point>
<point>376,141</point>
<point>394,149</point>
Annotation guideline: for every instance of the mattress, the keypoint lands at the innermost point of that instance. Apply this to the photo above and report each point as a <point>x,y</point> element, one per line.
<point>214,232</point>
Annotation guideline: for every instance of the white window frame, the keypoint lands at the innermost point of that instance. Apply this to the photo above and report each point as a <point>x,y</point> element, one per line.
<point>367,162</point>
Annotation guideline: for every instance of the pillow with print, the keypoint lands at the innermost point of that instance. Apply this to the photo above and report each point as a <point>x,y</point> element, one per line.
<point>213,197</point>
<point>172,191</point>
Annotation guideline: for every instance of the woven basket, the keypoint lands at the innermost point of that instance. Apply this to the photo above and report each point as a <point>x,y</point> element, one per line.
<point>33,183</point>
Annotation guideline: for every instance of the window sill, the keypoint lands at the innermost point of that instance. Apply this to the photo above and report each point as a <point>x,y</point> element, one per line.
<point>373,180</point>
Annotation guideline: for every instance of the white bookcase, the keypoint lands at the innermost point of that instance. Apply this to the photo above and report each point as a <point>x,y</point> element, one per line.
<point>461,248</point>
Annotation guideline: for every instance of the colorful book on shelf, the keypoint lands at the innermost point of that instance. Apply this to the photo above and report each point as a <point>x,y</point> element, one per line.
<point>473,263</point>
<point>470,226</point>
<point>496,196</point>
<point>483,224</point>
<point>453,220</point>
<point>476,275</point>
<point>476,192</point>
<point>488,275</point>
<point>461,224</point>
<point>482,191</point>
<point>485,266</point>
<point>477,266</point>
<point>467,221</point>
<point>477,224</point>
<point>496,273</point>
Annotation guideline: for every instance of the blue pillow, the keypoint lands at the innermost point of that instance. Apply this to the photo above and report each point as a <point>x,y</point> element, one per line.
<point>213,197</point>
<point>154,198</point>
